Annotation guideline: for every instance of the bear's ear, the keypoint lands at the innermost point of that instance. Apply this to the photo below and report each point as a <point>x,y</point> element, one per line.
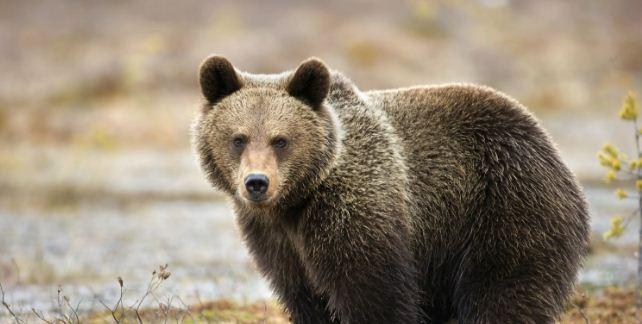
<point>218,79</point>
<point>310,83</point>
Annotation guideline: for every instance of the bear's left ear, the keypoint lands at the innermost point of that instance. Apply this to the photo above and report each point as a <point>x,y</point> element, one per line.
<point>310,83</point>
<point>218,79</point>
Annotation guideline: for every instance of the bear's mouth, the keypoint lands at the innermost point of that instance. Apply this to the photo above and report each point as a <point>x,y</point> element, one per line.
<point>262,201</point>
<point>256,200</point>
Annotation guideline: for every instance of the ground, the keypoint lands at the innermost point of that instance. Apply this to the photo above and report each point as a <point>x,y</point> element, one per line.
<point>611,305</point>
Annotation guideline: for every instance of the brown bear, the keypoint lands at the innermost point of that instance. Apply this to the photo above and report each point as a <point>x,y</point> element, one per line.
<point>413,205</point>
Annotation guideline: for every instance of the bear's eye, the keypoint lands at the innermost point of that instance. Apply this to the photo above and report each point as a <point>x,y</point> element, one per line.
<point>280,143</point>
<point>238,142</point>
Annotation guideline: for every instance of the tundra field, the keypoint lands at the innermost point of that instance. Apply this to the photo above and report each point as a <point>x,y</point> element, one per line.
<point>98,179</point>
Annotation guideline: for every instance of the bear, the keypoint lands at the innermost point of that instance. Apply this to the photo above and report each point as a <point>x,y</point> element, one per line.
<point>424,204</point>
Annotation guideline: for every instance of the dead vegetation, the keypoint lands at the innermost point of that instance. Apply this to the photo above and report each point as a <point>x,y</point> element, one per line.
<point>7,307</point>
<point>612,305</point>
<point>151,307</point>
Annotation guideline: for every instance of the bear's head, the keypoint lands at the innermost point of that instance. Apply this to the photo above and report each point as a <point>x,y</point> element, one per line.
<point>266,140</point>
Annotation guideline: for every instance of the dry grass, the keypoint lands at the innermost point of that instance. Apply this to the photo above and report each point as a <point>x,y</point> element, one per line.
<point>613,305</point>
<point>609,306</point>
<point>225,311</point>
<point>151,307</point>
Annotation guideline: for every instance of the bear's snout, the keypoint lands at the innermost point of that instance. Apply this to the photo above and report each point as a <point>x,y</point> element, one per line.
<point>256,185</point>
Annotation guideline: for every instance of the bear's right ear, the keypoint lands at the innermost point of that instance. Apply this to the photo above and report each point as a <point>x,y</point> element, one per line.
<point>218,79</point>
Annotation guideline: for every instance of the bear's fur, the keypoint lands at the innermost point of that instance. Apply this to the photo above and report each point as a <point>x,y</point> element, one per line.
<point>411,205</point>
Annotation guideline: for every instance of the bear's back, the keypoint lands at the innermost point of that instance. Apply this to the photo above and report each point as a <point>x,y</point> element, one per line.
<point>454,135</point>
<point>458,138</point>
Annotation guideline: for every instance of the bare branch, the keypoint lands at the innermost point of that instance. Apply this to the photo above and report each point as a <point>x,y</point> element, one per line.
<point>629,217</point>
<point>635,174</point>
<point>187,310</point>
<point>41,317</point>
<point>73,310</point>
<point>61,307</point>
<point>15,265</point>
<point>8,307</point>
<point>158,276</point>
<point>638,298</point>
<point>113,313</point>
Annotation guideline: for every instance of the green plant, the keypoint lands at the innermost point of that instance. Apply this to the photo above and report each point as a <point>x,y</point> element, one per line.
<point>612,159</point>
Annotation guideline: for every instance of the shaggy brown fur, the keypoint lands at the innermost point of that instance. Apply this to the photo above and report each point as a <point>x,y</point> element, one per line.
<point>400,206</point>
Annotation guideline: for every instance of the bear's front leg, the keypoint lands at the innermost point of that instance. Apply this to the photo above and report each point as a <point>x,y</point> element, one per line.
<point>365,267</point>
<point>278,261</point>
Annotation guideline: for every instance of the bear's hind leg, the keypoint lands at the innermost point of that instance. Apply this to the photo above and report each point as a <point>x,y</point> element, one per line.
<point>487,305</point>
<point>529,293</point>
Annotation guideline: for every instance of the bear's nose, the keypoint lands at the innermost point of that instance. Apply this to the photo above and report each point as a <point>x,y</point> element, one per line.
<point>257,185</point>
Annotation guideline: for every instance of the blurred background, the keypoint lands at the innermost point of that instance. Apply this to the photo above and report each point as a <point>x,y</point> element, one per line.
<point>97,176</point>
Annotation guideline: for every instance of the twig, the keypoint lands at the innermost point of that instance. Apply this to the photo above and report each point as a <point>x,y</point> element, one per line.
<point>41,317</point>
<point>582,311</point>
<point>73,311</point>
<point>61,307</point>
<point>168,308</point>
<point>586,319</point>
<point>158,276</point>
<point>8,307</point>
<point>638,297</point>
<point>140,302</point>
<point>15,264</point>
<point>113,315</point>
<point>628,218</point>
<point>120,299</point>
<point>201,307</point>
<point>186,310</point>
<point>76,309</point>
<point>630,172</point>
